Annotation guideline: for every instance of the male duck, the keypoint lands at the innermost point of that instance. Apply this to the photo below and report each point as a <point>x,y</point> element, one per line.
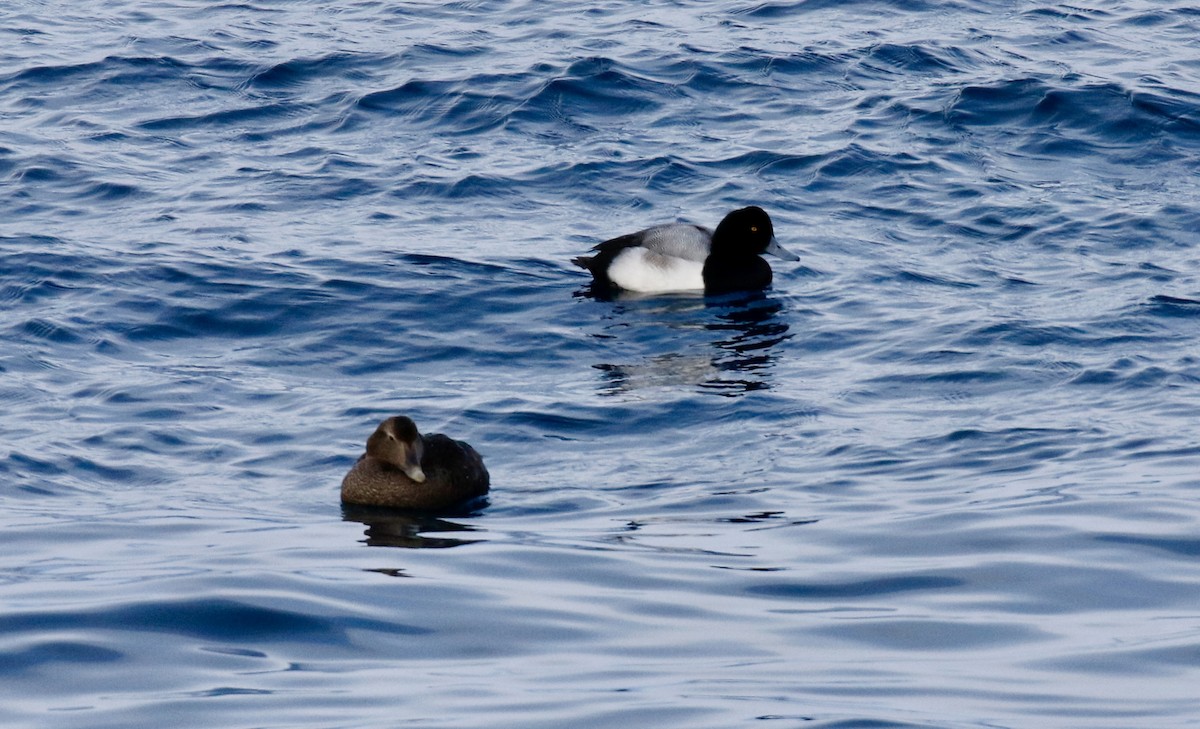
<point>682,257</point>
<point>405,470</point>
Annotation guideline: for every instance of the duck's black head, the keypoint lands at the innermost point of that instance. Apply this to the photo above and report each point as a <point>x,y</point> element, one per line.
<point>744,232</point>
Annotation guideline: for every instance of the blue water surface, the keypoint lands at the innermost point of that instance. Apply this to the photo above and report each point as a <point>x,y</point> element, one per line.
<point>944,473</point>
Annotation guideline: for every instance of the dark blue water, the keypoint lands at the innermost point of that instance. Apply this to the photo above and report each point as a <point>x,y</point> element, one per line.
<point>945,473</point>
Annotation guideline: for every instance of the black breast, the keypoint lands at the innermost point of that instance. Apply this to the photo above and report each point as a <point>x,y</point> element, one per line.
<point>735,273</point>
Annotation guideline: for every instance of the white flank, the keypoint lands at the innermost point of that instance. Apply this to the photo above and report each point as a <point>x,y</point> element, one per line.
<point>639,269</point>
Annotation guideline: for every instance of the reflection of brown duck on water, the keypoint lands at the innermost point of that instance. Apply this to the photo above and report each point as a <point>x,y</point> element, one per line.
<point>410,529</point>
<point>404,470</point>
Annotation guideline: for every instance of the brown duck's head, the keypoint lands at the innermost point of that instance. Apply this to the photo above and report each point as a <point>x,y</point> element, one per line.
<point>397,441</point>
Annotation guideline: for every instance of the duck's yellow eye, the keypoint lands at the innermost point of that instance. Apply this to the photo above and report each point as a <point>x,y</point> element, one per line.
<point>753,228</point>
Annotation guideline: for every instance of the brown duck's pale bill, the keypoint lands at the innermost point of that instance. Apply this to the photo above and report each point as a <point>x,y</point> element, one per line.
<point>412,463</point>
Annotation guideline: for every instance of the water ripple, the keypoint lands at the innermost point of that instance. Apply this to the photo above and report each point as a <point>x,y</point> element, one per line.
<point>949,454</point>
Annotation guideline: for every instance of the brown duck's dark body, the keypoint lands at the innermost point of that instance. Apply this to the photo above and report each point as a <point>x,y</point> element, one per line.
<point>454,475</point>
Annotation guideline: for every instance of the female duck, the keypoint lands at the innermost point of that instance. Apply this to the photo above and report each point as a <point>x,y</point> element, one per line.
<point>682,257</point>
<point>403,469</point>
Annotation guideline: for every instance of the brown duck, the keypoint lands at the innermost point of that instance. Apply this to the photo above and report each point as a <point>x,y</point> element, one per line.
<point>404,470</point>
